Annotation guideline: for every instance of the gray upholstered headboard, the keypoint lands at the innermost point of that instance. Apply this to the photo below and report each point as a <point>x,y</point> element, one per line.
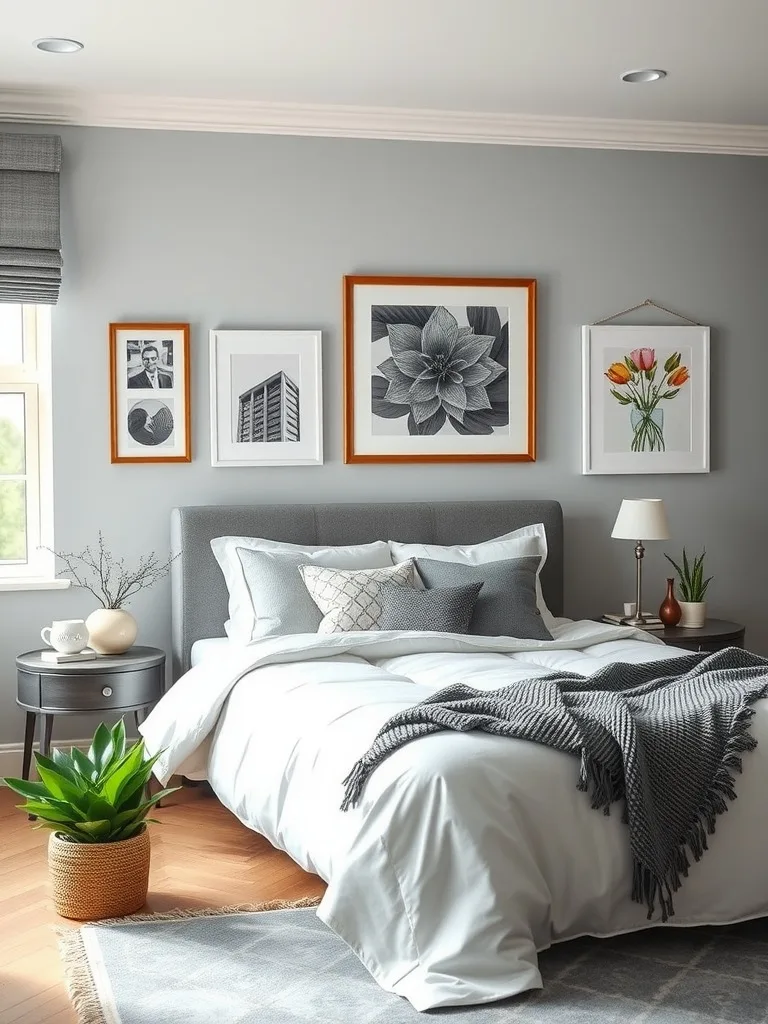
<point>199,601</point>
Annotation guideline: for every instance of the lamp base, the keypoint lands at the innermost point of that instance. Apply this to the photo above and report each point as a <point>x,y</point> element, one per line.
<point>634,620</point>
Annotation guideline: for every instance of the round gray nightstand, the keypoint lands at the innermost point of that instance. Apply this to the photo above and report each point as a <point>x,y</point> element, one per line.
<point>714,635</point>
<point>133,681</point>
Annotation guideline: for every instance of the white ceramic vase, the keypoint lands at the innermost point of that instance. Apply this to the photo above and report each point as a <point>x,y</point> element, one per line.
<point>694,614</point>
<point>111,630</point>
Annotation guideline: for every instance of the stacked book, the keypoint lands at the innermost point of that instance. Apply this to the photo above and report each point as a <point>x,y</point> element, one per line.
<point>57,657</point>
<point>652,622</point>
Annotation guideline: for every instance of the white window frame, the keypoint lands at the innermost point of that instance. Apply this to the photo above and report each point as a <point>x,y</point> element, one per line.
<point>32,378</point>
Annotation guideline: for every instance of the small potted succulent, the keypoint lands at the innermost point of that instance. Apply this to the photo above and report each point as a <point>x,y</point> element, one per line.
<point>96,805</point>
<point>693,589</point>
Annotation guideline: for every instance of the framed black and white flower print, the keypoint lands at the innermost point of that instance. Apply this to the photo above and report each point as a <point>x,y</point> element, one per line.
<point>439,369</point>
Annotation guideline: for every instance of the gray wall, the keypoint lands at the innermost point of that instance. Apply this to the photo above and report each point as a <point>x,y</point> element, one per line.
<point>246,231</point>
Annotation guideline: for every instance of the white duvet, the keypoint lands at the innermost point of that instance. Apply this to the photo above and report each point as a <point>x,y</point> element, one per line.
<point>468,852</point>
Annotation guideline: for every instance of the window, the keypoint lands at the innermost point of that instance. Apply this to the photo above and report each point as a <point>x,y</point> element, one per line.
<point>26,500</point>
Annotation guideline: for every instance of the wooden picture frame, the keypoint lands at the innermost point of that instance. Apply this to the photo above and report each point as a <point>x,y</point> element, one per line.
<point>475,401</point>
<point>149,373</point>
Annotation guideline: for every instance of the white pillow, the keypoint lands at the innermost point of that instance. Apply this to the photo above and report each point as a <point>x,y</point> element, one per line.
<point>243,626</point>
<point>351,599</point>
<point>528,540</point>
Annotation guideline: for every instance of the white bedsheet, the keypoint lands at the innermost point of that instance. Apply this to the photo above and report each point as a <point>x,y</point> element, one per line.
<point>469,852</point>
<point>210,649</point>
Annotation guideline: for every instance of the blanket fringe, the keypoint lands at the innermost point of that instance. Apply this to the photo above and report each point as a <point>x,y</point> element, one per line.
<point>79,980</point>
<point>649,887</point>
<point>354,783</point>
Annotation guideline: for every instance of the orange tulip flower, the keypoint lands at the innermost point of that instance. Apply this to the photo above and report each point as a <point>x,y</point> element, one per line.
<point>679,376</point>
<point>617,373</point>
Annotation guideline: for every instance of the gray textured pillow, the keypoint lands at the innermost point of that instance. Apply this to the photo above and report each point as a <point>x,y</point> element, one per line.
<point>444,609</point>
<point>278,603</point>
<point>507,604</point>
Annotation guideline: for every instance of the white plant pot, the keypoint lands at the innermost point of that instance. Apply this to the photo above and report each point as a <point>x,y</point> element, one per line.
<point>694,614</point>
<point>111,630</point>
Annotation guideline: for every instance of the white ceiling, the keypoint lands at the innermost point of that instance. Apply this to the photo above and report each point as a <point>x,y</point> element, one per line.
<point>557,58</point>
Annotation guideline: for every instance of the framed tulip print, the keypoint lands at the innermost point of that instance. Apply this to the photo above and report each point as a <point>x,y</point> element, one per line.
<point>439,369</point>
<point>645,399</point>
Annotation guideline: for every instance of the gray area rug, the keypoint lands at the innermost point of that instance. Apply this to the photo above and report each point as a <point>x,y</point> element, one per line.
<point>287,967</point>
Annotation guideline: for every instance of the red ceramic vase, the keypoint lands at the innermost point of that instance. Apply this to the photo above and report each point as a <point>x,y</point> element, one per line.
<point>670,611</point>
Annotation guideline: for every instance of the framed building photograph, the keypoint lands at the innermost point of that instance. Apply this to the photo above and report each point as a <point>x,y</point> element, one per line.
<point>645,393</point>
<point>439,369</point>
<point>149,389</point>
<point>266,398</point>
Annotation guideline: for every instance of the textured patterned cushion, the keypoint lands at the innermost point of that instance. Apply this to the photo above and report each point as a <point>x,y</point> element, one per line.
<point>443,610</point>
<point>350,598</point>
<point>507,606</point>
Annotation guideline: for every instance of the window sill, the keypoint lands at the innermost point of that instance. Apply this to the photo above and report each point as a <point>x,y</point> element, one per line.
<point>32,583</point>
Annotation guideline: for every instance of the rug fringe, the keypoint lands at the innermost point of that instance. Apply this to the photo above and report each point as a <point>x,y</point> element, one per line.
<point>77,971</point>
<point>78,978</point>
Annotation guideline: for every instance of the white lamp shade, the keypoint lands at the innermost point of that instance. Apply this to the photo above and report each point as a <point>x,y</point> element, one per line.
<point>641,519</point>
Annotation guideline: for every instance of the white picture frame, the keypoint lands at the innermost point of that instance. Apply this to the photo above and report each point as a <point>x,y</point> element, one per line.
<point>645,399</point>
<point>266,398</point>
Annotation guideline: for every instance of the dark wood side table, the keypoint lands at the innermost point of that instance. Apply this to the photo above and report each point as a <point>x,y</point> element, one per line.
<point>114,683</point>
<point>714,635</point>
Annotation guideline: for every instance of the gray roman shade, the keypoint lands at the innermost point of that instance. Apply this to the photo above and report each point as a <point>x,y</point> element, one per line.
<point>30,239</point>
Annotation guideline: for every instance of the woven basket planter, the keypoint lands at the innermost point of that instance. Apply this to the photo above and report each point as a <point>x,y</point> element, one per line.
<point>92,881</point>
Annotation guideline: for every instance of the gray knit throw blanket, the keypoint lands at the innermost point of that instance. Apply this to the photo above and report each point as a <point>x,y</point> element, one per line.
<point>665,737</point>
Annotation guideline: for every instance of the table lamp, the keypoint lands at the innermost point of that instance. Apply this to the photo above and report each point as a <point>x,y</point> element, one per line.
<point>644,518</point>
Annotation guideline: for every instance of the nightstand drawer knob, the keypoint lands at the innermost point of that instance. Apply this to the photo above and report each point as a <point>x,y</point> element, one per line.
<point>106,691</point>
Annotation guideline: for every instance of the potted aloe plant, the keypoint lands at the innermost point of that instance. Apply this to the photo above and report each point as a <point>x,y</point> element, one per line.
<point>96,805</point>
<point>693,589</point>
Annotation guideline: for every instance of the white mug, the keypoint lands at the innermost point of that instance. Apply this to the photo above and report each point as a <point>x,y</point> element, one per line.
<point>68,636</point>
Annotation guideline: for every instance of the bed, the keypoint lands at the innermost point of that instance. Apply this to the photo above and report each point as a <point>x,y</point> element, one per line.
<point>469,852</point>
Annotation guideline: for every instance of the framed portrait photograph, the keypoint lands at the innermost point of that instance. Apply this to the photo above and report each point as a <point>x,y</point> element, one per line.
<point>266,398</point>
<point>645,393</point>
<point>149,389</point>
<point>439,369</point>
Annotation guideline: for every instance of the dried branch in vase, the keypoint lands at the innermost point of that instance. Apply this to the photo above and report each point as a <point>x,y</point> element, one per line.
<point>108,578</point>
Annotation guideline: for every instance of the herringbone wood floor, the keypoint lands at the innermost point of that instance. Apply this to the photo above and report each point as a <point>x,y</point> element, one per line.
<point>201,857</point>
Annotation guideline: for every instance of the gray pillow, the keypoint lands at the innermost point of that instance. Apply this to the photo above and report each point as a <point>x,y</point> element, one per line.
<point>443,610</point>
<point>507,605</point>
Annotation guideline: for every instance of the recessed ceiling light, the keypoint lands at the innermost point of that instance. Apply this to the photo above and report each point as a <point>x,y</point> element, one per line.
<point>53,44</point>
<point>644,75</point>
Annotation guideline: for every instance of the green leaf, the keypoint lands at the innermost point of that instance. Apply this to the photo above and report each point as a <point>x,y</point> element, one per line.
<point>29,790</point>
<point>131,787</point>
<point>65,764</point>
<point>86,768</point>
<point>124,770</point>
<point>129,830</point>
<point>101,747</point>
<point>672,363</point>
<point>99,808</point>
<point>631,366</point>
<point>621,398</point>
<point>686,569</point>
<point>670,394</point>
<point>46,812</point>
<point>118,741</point>
<point>60,787</point>
<point>65,829</point>
<point>98,829</point>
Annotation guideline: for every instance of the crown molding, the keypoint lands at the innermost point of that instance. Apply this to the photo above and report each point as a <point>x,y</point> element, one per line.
<point>210,115</point>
